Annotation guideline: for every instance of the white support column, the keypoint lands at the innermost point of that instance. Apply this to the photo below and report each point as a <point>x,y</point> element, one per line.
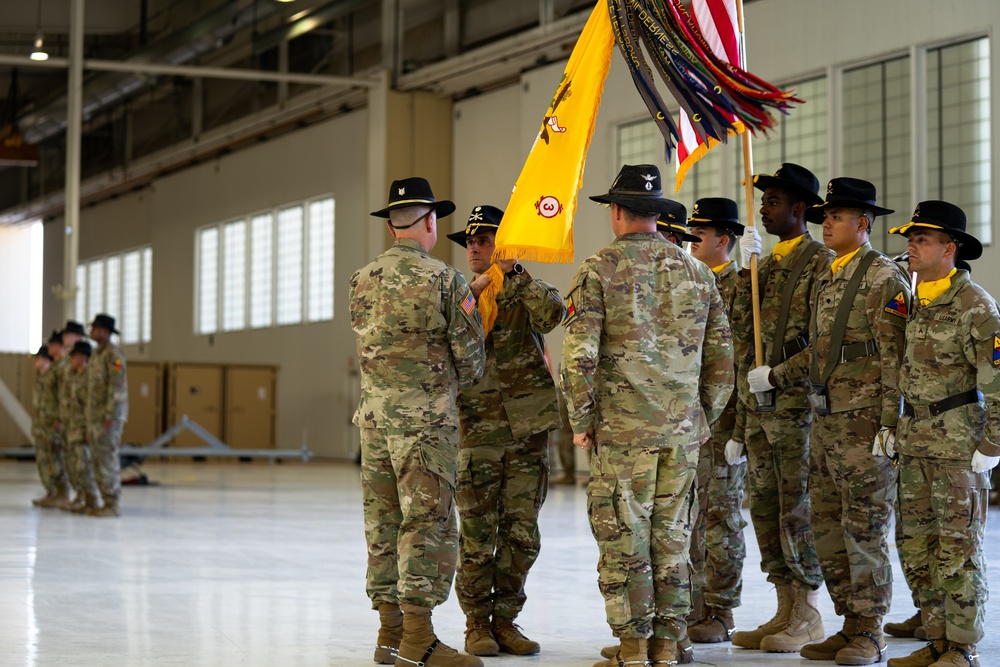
<point>918,124</point>
<point>378,100</point>
<point>546,12</point>
<point>390,37</point>
<point>834,93</point>
<point>452,27</point>
<point>74,112</point>
<point>283,68</point>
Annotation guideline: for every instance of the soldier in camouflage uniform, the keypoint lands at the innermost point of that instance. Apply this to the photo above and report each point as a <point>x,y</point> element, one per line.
<point>671,225</point>
<point>73,411</point>
<point>717,545</point>
<point>107,412</point>
<point>646,367</point>
<point>947,437</point>
<point>503,425</point>
<point>855,348</point>
<point>775,426</point>
<point>565,449</point>
<point>420,342</point>
<point>48,446</point>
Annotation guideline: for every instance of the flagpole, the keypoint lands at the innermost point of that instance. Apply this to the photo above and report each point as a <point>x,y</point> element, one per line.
<point>758,343</point>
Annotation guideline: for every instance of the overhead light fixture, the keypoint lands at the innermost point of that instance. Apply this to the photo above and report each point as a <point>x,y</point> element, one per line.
<point>286,0</point>
<point>39,53</point>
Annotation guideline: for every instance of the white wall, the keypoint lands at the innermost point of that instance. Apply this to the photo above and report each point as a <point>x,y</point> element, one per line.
<point>314,390</point>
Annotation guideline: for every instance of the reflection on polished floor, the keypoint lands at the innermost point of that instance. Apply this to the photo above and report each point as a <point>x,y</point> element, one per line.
<point>263,565</point>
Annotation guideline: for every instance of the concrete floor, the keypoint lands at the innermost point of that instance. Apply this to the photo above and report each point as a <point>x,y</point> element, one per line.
<point>256,564</point>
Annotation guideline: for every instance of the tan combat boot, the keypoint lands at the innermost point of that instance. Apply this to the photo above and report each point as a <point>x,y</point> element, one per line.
<point>805,625</point>
<point>38,502</point>
<point>390,633</point>
<point>511,640</point>
<point>54,500</point>
<point>631,651</point>
<point>752,638</point>
<point>717,627</point>
<point>420,646</point>
<point>867,646</point>
<point>958,655</point>
<point>479,639</point>
<point>90,503</point>
<point>907,628</point>
<point>110,508</point>
<point>925,657</point>
<point>662,651</point>
<point>827,649</point>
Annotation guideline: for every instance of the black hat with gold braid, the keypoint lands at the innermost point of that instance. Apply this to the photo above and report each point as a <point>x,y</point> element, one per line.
<point>483,218</point>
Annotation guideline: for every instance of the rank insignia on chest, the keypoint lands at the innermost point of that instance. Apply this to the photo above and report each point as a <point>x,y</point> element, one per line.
<point>897,306</point>
<point>468,304</point>
<point>996,350</point>
<point>570,311</point>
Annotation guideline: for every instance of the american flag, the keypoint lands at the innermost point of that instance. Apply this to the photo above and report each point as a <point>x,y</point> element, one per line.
<point>469,304</point>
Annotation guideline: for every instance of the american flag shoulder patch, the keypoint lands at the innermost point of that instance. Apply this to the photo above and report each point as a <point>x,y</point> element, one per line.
<point>468,303</point>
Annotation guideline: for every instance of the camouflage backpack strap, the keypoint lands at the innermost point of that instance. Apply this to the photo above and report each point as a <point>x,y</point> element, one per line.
<point>777,345</point>
<point>840,323</point>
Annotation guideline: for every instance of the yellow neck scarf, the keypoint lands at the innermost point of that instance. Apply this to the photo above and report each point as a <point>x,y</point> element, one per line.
<point>841,262</point>
<point>785,248</point>
<point>721,267</point>
<point>929,290</point>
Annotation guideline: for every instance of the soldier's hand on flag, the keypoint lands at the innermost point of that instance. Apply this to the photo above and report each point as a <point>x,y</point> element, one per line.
<point>479,284</point>
<point>885,443</point>
<point>734,453</point>
<point>980,462</point>
<point>760,379</point>
<point>750,244</point>
<point>507,264</point>
<point>584,440</point>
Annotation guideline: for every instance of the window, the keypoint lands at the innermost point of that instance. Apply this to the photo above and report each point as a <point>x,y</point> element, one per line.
<point>121,286</point>
<point>208,280</point>
<point>321,260</point>
<point>273,268</point>
<point>234,275</point>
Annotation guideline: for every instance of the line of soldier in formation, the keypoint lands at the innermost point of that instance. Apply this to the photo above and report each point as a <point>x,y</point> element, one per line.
<point>81,405</point>
<point>878,394</point>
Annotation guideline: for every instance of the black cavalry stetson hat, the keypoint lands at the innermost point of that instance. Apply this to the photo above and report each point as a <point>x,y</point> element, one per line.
<point>81,347</point>
<point>846,192</point>
<point>672,222</point>
<point>718,212</point>
<point>105,321</point>
<point>414,191</point>
<point>792,177</point>
<point>638,188</point>
<point>74,327</point>
<point>43,351</point>
<point>55,336</point>
<point>948,218</point>
<point>483,218</point>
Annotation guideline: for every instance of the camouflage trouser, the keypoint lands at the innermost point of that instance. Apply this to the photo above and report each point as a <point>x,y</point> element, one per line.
<point>105,444</point>
<point>778,455</point>
<point>641,502</point>
<point>910,583</point>
<point>50,460</point>
<point>407,485</point>
<point>852,494</point>
<point>81,468</point>
<point>501,488</point>
<point>943,507</point>
<point>563,437</point>
<point>717,545</point>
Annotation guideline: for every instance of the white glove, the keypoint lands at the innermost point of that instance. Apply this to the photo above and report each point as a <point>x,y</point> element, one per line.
<point>759,379</point>
<point>749,244</point>
<point>885,443</point>
<point>734,453</point>
<point>983,463</point>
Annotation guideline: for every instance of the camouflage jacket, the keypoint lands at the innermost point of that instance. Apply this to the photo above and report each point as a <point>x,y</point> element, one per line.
<point>725,281</point>
<point>869,380</point>
<point>647,355</point>
<point>107,387</point>
<point>516,397</point>
<point>46,401</point>
<point>73,405</point>
<point>419,338</point>
<point>772,278</point>
<point>952,346</point>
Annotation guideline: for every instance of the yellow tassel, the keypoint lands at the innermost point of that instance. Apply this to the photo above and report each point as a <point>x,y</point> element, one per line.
<point>487,300</point>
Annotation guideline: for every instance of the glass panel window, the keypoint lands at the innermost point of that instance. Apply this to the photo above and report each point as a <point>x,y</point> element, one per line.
<point>80,311</point>
<point>147,294</point>
<point>95,291</point>
<point>958,131</point>
<point>113,284</point>
<point>289,268</point>
<point>130,300</point>
<point>261,270</point>
<point>234,275</point>
<point>208,280</point>
<point>321,214</point>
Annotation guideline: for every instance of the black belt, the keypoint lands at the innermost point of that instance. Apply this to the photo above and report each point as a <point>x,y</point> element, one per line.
<point>853,351</point>
<point>793,347</point>
<point>945,404</point>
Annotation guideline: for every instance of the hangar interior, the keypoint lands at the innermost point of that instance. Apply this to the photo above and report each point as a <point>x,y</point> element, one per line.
<point>230,153</point>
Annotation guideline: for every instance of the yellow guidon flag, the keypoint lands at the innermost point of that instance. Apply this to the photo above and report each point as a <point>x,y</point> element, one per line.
<point>538,220</point>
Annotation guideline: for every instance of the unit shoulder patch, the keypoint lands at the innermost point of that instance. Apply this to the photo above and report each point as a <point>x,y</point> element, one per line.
<point>996,350</point>
<point>897,306</point>
<point>570,311</point>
